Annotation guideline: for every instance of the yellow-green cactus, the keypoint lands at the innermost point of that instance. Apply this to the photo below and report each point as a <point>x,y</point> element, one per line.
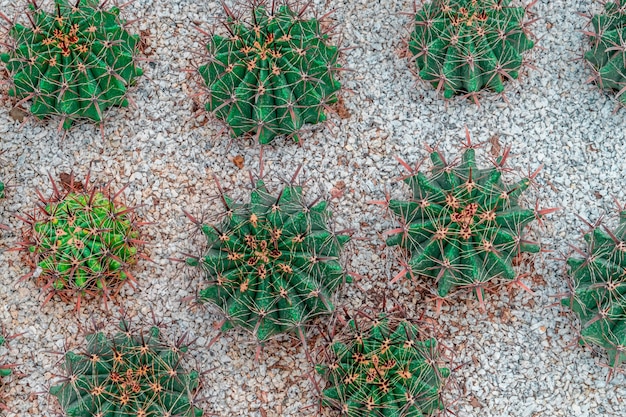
<point>82,242</point>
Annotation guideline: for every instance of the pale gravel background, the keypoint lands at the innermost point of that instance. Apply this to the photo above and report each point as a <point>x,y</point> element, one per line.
<point>516,359</point>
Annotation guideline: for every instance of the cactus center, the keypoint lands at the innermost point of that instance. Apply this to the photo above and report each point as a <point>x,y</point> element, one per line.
<point>66,40</point>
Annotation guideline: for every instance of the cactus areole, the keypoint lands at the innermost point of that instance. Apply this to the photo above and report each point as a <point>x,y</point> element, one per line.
<point>75,61</point>
<point>128,375</point>
<point>607,55</point>
<point>385,369</point>
<point>463,226</point>
<point>272,264</point>
<point>464,46</point>
<point>272,74</point>
<point>599,285</point>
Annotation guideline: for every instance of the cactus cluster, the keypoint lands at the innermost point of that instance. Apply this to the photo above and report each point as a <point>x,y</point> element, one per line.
<point>131,374</point>
<point>272,72</point>
<point>385,368</point>
<point>75,61</point>
<point>272,263</point>
<point>464,46</point>
<point>463,225</point>
<point>607,55</point>
<point>598,288</point>
<point>81,241</point>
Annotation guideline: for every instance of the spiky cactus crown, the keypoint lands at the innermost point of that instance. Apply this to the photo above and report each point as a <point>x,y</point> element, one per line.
<point>385,368</point>
<point>272,73</point>
<point>272,264</point>
<point>607,55</point>
<point>463,225</point>
<point>82,241</point>
<point>464,46</point>
<point>131,374</point>
<point>75,61</point>
<point>598,288</point>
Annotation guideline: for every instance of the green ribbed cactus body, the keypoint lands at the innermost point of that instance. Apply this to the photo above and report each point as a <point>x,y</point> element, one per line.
<point>387,369</point>
<point>75,61</point>
<point>83,242</point>
<point>464,46</point>
<point>128,375</point>
<point>1,189</point>
<point>463,225</point>
<point>599,291</point>
<point>608,51</point>
<point>272,263</point>
<point>272,75</point>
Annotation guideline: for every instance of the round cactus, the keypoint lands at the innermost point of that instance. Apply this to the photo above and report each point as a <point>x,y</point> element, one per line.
<point>598,287</point>
<point>384,369</point>
<point>272,263</point>
<point>272,73</point>
<point>81,241</point>
<point>128,375</point>
<point>463,226</point>
<point>464,46</point>
<point>75,61</point>
<point>607,55</point>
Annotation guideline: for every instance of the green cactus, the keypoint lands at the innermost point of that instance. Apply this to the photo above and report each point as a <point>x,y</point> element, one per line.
<point>598,289</point>
<point>75,62</point>
<point>272,263</point>
<point>386,369</point>
<point>464,46</point>
<point>272,74</point>
<point>463,226</point>
<point>82,242</point>
<point>1,189</point>
<point>607,55</point>
<point>128,375</point>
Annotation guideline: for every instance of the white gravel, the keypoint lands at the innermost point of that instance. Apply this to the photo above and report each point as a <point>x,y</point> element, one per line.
<point>518,359</point>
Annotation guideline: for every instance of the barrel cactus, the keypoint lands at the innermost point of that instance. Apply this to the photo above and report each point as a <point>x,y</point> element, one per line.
<point>272,72</point>
<point>607,55</point>
<point>598,287</point>
<point>464,46</point>
<point>81,241</point>
<point>384,368</point>
<point>75,61</point>
<point>131,374</point>
<point>463,225</point>
<point>272,264</point>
